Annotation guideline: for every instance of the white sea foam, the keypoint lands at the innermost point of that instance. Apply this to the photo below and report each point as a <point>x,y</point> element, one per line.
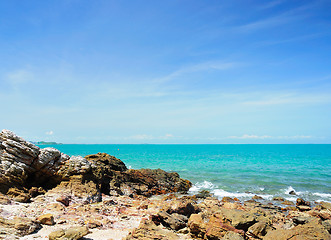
<point>222,193</point>
<point>202,186</point>
<point>323,195</point>
<point>289,189</point>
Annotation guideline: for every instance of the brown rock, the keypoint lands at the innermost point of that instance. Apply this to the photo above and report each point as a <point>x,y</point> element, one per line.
<point>278,199</point>
<point>18,195</point>
<point>232,236</point>
<point>65,200</point>
<point>238,218</point>
<point>18,226</point>
<point>311,230</point>
<point>227,199</point>
<point>73,233</point>
<point>325,205</point>
<point>147,230</point>
<point>259,229</point>
<point>287,203</point>
<point>46,219</point>
<point>174,221</point>
<point>197,225</point>
<point>301,202</point>
<point>257,197</point>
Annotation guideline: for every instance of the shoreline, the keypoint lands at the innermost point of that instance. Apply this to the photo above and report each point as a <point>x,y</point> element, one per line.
<point>46,193</point>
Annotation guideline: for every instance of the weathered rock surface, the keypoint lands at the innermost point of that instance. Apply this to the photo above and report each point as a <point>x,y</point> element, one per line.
<point>17,226</point>
<point>69,234</point>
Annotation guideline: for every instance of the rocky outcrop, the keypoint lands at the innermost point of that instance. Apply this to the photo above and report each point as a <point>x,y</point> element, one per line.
<point>69,234</point>
<point>17,226</point>
<point>24,165</point>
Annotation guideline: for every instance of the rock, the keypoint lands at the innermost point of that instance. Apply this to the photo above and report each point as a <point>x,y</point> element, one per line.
<point>148,182</point>
<point>65,200</point>
<point>16,157</point>
<point>232,236</point>
<point>18,226</point>
<point>259,229</point>
<point>73,233</point>
<point>147,230</point>
<point>46,219</point>
<point>18,195</point>
<point>303,208</point>
<point>278,199</point>
<point>325,205</point>
<point>34,191</point>
<point>327,225</point>
<point>292,193</point>
<point>183,206</point>
<point>311,230</point>
<point>203,194</point>
<point>227,199</point>
<point>238,218</point>
<point>301,202</point>
<point>287,203</point>
<point>216,228</point>
<point>76,165</point>
<point>4,199</point>
<point>256,197</point>
<point>174,221</point>
<point>111,162</point>
<point>197,225</point>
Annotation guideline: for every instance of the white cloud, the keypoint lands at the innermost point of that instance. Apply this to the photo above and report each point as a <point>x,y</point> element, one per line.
<point>50,133</point>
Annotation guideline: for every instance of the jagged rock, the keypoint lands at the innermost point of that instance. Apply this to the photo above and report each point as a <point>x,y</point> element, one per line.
<point>301,202</point>
<point>148,182</point>
<point>16,158</point>
<point>109,163</point>
<point>278,199</point>
<point>73,233</point>
<point>256,197</point>
<point>203,194</point>
<point>174,221</point>
<point>197,225</point>
<point>183,206</point>
<point>259,229</point>
<point>65,200</point>
<point>238,218</point>
<point>325,205</point>
<point>18,195</point>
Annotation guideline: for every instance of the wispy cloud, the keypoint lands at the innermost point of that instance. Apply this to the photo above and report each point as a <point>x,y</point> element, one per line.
<point>211,65</point>
<point>247,136</point>
<point>149,137</point>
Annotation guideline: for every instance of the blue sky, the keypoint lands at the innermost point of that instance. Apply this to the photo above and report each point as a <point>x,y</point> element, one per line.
<point>166,71</point>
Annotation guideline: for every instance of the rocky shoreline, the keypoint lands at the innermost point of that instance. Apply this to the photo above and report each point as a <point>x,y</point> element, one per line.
<point>47,194</point>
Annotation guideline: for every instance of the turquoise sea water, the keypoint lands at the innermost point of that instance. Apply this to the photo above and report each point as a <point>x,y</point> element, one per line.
<point>233,170</point>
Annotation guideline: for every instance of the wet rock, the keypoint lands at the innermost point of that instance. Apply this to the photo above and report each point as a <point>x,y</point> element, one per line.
<point>301,202</point>
<point>278,199</point>
<point>303,208</point>
<point>73,233</point>
<point>227,199</point>
<point>292,193</point>
<point>203,194</point>
<point>256,197</point>
<point>327,225</point>
<point>46,219</point>
<point>287,203</point>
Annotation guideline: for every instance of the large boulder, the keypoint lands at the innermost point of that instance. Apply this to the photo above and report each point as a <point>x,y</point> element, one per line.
<point>148,182</point>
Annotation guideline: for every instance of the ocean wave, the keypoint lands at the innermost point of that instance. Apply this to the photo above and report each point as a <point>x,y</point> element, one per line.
<point>290,189</point>
<point>323,195</point>
<point>205,185</point>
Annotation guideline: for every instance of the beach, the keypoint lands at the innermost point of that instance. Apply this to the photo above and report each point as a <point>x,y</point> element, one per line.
<point>46,193</point>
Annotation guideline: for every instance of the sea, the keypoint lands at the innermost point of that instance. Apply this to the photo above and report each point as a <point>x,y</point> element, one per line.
<point>233,170</point>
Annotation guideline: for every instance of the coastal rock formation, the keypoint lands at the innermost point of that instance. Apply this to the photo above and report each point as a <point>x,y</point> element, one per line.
<point>24,165</point>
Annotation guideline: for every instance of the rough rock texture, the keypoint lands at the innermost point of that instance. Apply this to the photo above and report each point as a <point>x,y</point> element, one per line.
<point>17,226</point>
<point>148,182</point>
<point>69,234</point>
<point>24,165</point>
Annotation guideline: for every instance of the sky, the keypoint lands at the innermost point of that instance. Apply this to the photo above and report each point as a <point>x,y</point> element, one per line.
<point>175,71</point>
